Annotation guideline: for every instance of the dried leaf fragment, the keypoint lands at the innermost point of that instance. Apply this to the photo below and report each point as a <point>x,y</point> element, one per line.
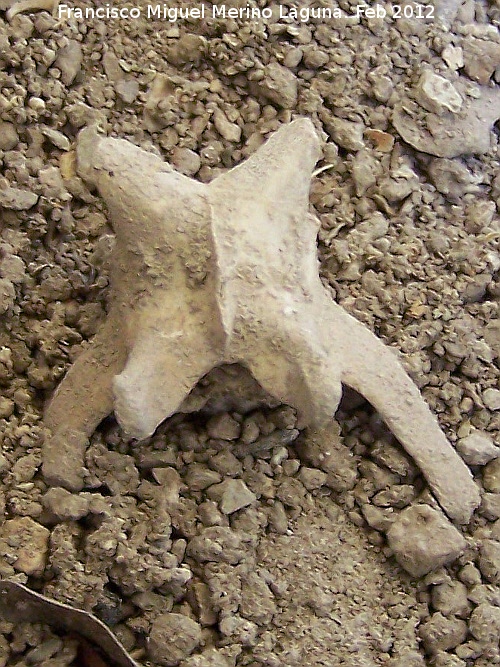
<point>19,604</point>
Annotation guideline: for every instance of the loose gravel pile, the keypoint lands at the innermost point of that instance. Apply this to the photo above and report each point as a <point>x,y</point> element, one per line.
<point>231,538</point>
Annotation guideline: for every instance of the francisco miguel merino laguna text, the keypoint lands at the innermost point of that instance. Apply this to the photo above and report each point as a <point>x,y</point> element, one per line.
<point>173,14</point>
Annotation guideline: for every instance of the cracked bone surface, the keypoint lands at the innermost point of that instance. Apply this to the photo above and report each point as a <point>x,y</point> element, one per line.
<point>204,275</point>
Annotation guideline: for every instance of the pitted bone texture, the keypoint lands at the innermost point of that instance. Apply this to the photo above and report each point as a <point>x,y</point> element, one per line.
<point>225,273</point>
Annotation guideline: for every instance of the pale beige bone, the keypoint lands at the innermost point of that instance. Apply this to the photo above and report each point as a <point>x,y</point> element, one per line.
<point>204,275</point>
<point>32,6</point>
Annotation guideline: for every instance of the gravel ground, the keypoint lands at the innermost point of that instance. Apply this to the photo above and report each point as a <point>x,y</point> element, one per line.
<point>234,539</point>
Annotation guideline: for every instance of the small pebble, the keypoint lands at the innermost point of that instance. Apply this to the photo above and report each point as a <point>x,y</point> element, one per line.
<point>210,515</point>
<point>69,61</point>
<point>13,268</point>
<point>312,478</point>
<point>199,476</point>
<point>470,575</point>
<point>477,449</point>
<point>58,139</point>
<point>6,404</point>
<point>186,161</point>
<point>291,492</point>
<point>383,141</point>
<point>278,520</point>
<point>250,431</point>
<point>440,633</point>
<point>489,561</point>
<point>27,542</point>
<point>16,199</point>
<point>218,544</point>
<point>223,427</point>
<point>450,598</point>
<point>200,600</point>
<point>345,133</point>
<point>399,495</point>
<point>127,89</point>
<point>65,505</point>
<point>37,104</point>
<point>316,58</point>
<point>437,94</point>
<point>444,659</point>
<point>212,657</point>
<point>293,57</point>
<point>484,623</point>
<point>378,518</point>
<point>226,463</point>
<point>408,659</point>
<point>232,495</point>
<point>189,48</point>
<point>490,506</point>
<point>453,57</point>
<point>423,539</point>
<point>239,630</point>
<point>279,85</point>
<point>8,136</point>
<point>229,131</point>
<point>491,476</point>
<point>44,652</point>
<point>481,58</point>
<point>173,638</point>
<point>491,398</point>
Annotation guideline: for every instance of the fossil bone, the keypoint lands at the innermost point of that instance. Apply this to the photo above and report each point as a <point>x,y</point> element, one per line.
<point>32,6</point>
<point>227,272</point>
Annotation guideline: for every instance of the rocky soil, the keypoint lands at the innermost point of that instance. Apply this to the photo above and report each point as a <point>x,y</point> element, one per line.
<point>233,539</point>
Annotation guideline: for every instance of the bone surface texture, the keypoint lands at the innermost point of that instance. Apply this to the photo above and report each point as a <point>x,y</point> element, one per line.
<point>204,275</point>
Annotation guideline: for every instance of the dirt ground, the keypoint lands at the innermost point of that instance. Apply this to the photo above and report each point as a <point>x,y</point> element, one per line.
<point>229,539</point>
